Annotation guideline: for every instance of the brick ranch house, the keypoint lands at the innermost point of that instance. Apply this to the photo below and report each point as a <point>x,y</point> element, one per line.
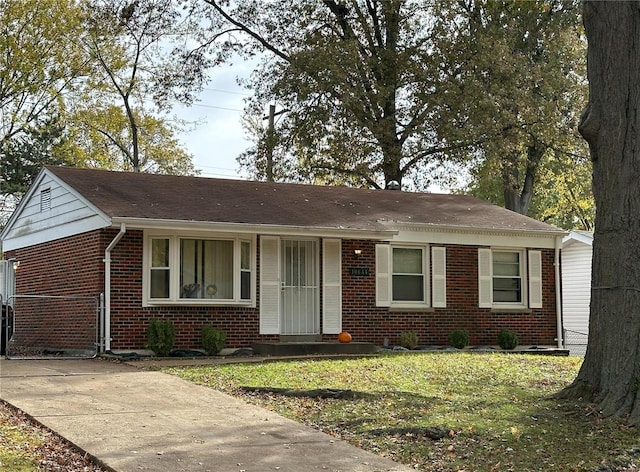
<point>265,261</point>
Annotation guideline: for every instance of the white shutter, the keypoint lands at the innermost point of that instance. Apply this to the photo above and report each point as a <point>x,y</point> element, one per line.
<point>485,297</point>
<point>535,279</point>
<point>331,286</point>
<point>269,285</point>
<point>439,277</point>
<point>383,275</point>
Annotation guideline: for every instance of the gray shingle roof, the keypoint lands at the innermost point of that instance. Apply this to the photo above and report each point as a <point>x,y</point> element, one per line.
<point>169,197</point>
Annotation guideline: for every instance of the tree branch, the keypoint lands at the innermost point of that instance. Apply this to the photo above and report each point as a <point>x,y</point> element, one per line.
<point>267,45</point>
<point>442,149</point>
<point>350,171</point>
<point>114,141</point>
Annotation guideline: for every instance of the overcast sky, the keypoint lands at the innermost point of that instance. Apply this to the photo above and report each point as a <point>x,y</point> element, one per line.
<point>218,138</point>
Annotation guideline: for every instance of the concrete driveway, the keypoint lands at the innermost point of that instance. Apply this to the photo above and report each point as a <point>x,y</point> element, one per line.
<point>133,420</point>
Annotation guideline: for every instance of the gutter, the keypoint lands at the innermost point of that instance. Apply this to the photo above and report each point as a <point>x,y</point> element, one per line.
<point>476,229</point>
<point>556,264</point>
<point>377,233</point>
<point>106,320</point>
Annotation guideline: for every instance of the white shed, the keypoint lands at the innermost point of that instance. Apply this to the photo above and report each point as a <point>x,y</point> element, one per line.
<point>576,289</point>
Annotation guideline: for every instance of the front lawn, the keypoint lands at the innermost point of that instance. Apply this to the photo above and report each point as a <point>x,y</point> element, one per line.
<point>494,410</point>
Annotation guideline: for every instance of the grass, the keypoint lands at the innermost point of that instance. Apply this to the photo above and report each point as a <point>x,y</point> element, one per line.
<point>496,408</point>
<point>20,444</point>
<point>26,446</point>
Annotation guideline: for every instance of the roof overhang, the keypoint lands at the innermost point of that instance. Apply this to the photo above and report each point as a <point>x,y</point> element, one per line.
<point>246,228</point>
<point>577,237</point>
<point>397,225</point>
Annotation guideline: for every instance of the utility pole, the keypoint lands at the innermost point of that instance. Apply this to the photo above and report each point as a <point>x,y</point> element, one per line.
<point>270,142</point>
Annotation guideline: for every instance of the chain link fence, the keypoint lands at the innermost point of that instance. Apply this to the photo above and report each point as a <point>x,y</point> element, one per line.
<point>46,326</point>
<point>6,322</point>
<point>576,342</point>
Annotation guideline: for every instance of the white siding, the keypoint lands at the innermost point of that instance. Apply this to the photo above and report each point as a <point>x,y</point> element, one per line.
<point>68,215</point>
<point>576,286</point>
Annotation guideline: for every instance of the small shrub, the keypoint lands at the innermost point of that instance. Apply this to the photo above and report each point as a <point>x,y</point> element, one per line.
<point>409,339</point>
<point>459,338</point>
<point>160,337</point>
<point>507,339</point>
<point>213,339</point>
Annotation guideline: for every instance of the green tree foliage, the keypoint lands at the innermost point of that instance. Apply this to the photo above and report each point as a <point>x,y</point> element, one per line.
<point>22,156</point>
<point>89,83</point>
<point>562,196</point>
<point>370,91</point>
<point>521,71</point>
<point>38,61</point>
<point>101,137</point>
<point>116,113</point>
<point>359,81</point>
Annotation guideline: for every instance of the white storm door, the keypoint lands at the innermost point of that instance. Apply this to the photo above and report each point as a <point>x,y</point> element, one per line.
<point>300,294</point>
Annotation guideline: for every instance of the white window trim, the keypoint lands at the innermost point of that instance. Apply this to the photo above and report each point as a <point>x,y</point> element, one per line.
<point>174,262</point>
<point>387,279</point>
<point>524,277</point>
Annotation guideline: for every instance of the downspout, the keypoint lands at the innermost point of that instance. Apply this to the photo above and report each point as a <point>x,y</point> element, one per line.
<point>106,321</point>
<point>556,263</point>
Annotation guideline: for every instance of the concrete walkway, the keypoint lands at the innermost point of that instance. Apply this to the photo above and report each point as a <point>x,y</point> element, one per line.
<point>132,420</point>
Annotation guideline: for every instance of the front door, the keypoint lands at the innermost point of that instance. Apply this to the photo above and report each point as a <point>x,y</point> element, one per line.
<point>300,294</point>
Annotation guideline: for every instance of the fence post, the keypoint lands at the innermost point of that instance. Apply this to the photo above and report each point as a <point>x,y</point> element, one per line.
<point>101,339</point>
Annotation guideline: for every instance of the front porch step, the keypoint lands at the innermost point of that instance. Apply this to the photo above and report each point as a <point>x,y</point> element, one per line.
<point>307,348</point>
<point>300,338</point>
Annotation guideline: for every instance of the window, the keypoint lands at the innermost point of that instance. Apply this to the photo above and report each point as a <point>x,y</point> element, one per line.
<point>402,276</point>
<point>191,270</point>
<point>508,279</point>
<point>159,268</point>
<point>408,275</point>
<point>245,270</point>
<point>206,269</point>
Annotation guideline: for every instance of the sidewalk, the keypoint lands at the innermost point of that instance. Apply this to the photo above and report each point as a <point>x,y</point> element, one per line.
<point>133,420</point>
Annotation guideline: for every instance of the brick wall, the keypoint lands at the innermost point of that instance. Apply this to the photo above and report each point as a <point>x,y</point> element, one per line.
<point>74,266</point>
<point>47,317</point>
<point>366,322</point>
<point>129,320</point>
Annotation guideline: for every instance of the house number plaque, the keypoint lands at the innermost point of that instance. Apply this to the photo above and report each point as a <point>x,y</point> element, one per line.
<point>358,271</point>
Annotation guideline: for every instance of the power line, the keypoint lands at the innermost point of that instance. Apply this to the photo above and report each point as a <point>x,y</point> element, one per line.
<point>226,91</point>
<point>217,108</point>
<point>219,168</point>
<point>223,175</point>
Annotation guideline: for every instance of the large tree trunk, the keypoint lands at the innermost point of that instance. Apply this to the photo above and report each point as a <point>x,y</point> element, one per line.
<point>610,374</point>
<point>518,196</point>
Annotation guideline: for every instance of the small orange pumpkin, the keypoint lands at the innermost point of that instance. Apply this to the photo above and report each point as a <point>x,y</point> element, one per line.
<point>344,337</point>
